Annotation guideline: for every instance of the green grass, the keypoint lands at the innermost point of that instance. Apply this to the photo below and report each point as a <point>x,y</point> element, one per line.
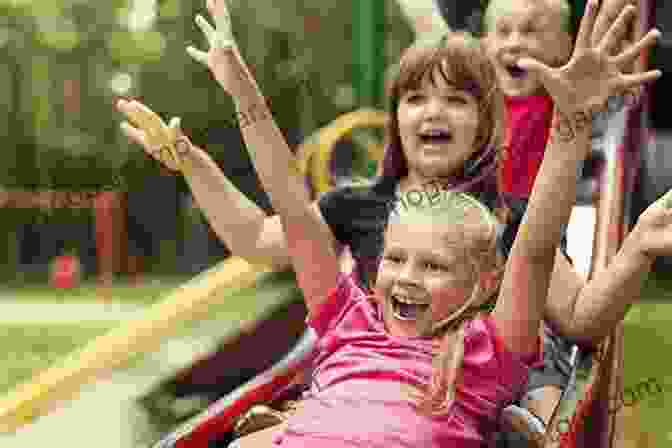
<point>143,293</point>
<point>648,354</point>
<point>26,350</point>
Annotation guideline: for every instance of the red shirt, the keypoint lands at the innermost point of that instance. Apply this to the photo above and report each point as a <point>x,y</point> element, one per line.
<point>528,127</point>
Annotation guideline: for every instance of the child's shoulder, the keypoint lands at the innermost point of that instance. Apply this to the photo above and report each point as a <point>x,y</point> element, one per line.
<point>340,301</point>
<point>483,341</point>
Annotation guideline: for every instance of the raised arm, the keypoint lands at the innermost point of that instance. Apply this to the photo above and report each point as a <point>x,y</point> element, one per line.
<point>578,89</point>
<point>309,240</point>
<point>609,297</point>
<point>238,222</point>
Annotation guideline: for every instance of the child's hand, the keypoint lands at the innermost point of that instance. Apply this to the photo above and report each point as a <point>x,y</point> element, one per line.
<point>223,58</point>
<point>609,12</point>
<point>653,231</point>
<point>582,87</point>
<point>165,143</point>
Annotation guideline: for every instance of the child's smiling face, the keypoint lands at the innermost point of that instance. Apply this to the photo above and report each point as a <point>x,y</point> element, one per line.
<point>438,125</point>
<point>526,28</point>
<point>419,274</point>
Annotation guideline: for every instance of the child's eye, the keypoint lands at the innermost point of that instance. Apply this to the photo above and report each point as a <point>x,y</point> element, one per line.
<point>434,267</point>
<point>503,30</point>
<point>529,29</point>
<point>393,259</point>
<point>414,98</point>
<point>457,99</point>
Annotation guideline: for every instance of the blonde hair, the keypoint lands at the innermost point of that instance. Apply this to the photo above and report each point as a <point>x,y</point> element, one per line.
<point>475,231</point>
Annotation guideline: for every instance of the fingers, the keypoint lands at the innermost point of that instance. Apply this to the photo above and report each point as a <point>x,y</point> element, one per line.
<point>174,127</point>
<point>211,5</point>
<point>609,11</point>
<point>134,134</point>
<point>149,131</point>
<point>634,80</point>
<point>587,24</point>
<point>219,37</point>
<point>140,115</point>
<point>175,123</point>
<point>533,65</point>
<point>613,38</point>
<point>221,15</point>
<point>630,54</point>
<point>223,21</point>
<point>147,120</point>
<point>198,55</point>
<point>138,136</point>
<point>207,29</point>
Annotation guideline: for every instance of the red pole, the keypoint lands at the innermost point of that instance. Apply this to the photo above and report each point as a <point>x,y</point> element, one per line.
<point>110,233</point>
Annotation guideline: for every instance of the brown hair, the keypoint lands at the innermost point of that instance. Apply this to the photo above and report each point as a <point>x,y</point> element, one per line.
<point>460,58</point>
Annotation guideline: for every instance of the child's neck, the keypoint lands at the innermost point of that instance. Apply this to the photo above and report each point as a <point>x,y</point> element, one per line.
<point>541,96</point>
<point>417,181</point>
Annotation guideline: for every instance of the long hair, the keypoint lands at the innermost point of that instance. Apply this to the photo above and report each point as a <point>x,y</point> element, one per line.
<point>460,58</point>
<point>473,231</point>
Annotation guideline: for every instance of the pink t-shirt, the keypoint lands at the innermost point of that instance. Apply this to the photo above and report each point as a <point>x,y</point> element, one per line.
<point>528,126</point>
<point>360,395</point>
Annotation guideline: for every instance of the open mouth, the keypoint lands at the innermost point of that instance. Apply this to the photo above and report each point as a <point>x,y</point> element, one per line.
<point>515,71</point>
<point>436,137</point>
<point>407,309</point>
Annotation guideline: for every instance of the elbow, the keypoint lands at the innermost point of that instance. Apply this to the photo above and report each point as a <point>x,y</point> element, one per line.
<point>585,336</point>
<point>589,342</point>
<point>585,331</point>
<point>249,244</point>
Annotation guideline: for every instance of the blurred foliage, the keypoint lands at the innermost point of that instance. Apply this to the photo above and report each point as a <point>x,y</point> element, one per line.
<point>65,58</point>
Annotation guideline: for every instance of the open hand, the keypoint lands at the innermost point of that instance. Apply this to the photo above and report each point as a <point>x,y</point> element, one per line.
<point>165,143</point>
<point>609,12</point>
<point>223,58</point>
<point>592,75</point>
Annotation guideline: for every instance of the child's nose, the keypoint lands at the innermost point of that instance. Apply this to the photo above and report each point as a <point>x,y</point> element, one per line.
<point>433,108</point>
<point>514,42</point>
<point>409,274</point>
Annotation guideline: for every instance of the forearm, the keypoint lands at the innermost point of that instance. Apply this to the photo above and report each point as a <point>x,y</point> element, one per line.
<point>271,156</point>
<point>235,219</point>
<point>606,299</point>
<point>525,287</point>
<point>310,242</point>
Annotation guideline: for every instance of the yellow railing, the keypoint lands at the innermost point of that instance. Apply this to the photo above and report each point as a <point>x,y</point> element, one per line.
<point>315,154</point>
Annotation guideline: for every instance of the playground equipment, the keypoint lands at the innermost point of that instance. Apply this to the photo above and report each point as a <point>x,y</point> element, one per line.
<point>192,300</point>
<point>592,424</point>
<point>217,422</point>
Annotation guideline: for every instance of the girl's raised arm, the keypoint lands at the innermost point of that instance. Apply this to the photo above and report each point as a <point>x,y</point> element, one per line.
<point>240,223</point>
<point>309,239</point>
<point>580,89</point>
